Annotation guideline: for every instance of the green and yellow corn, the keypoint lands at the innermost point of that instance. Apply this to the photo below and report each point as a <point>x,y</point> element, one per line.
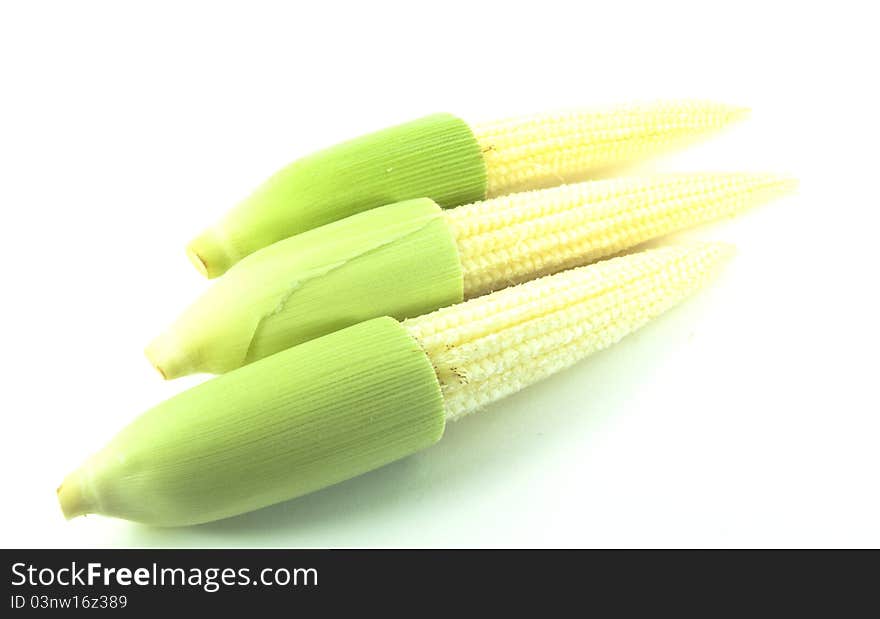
<point>413,257</point>
<point>351,401</point>
<point>443,158</point>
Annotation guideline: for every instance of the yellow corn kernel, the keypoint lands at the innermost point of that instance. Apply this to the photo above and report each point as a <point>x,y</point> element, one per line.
<point>548,149</point>
<point>515,238</point>
<point>492,346</point>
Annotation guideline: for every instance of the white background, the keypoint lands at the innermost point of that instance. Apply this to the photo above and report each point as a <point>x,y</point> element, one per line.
<point>747,417</point>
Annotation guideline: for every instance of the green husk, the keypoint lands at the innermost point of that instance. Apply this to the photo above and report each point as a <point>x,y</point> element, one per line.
<point>399,260</point>
<point>436,157</point>
<point>298,421</point>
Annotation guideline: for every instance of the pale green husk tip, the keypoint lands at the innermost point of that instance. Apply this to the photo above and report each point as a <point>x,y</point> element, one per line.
<point>71,497</point>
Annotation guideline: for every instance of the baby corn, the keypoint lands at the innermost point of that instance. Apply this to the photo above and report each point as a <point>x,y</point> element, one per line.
<point>410,258</point>
<point>351,401</point>
<point>495,345</point>
<point>548,149</point>
<point>521,236</point>
<point>443,158</point>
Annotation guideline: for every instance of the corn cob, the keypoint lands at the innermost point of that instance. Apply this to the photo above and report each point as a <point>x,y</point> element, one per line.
<point>518,237</point>
<point>500,343</point>
<point>351,401</point>
<point>549,149</point>
<point>410,258</point>
<point>443,158</point>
